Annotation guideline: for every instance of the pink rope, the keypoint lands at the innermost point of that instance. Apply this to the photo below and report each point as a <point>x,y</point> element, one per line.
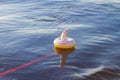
<point>24,65</point>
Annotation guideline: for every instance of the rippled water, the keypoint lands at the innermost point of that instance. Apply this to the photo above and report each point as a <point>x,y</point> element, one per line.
<point>28,28</point>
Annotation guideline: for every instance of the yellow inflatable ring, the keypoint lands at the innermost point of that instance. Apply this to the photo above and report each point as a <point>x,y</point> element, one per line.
<point>70,43</point>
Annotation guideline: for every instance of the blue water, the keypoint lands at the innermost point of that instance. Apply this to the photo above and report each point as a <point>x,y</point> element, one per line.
<point>28,28</point>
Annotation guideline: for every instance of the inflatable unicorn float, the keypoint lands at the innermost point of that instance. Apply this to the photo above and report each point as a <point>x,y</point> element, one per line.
<point>64,42</point>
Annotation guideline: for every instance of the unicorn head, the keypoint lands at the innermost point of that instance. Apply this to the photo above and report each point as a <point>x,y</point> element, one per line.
<point>64,33</point>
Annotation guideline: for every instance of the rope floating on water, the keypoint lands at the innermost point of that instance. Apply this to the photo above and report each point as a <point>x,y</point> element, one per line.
<point>24,65</point>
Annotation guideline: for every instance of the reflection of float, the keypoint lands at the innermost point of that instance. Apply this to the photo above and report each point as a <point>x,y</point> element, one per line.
<point>63,54</point>
<point>64,41</point>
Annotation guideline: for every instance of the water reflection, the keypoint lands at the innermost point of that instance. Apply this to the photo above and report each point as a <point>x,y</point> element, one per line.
<point>63,53</point>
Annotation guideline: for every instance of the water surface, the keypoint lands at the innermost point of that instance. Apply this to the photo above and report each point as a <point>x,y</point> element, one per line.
<point>28,28</point>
